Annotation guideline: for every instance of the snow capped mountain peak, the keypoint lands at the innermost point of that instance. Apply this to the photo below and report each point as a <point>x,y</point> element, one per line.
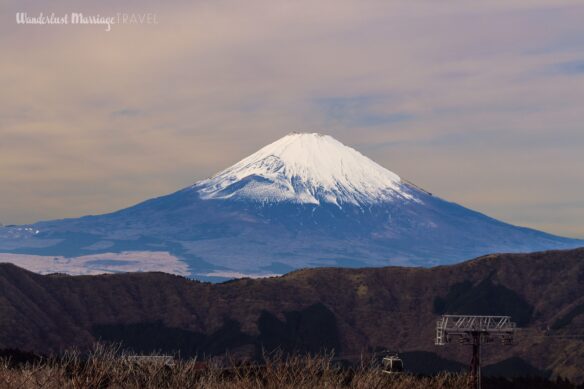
<point>346,211</point>
<point>306,168</point>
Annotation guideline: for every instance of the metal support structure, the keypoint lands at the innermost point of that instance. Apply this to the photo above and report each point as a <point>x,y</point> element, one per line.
<point>474,330</point>
<point>475,362</point>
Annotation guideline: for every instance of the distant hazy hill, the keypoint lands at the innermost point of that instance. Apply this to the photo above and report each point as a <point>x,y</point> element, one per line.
<point>305,200</point>
<point>349,310</point>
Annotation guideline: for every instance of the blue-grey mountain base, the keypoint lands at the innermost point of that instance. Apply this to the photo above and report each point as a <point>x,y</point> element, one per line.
<point>305,200</point>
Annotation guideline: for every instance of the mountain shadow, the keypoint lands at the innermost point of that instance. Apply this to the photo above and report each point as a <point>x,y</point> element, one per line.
<point>311,330</point>
<point>148,337</point>
<point>424,362</point>
<point>514,367</point>
<point>485,298</point>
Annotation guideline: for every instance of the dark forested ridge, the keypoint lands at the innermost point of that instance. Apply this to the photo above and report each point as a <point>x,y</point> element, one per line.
<point>348,310</point>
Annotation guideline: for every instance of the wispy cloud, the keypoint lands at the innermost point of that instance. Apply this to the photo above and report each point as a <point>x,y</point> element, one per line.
<point>126,112</point>
<point>569,68</point>
<point>359,111</point>
<point>482,98</point>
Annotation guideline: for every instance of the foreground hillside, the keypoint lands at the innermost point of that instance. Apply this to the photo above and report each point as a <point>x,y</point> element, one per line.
<point>348,310</point>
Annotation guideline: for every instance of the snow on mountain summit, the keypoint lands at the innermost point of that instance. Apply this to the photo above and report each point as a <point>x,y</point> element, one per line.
<point>306,168</point>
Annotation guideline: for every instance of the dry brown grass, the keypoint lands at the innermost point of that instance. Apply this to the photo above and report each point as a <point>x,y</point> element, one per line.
<point>105,367</point>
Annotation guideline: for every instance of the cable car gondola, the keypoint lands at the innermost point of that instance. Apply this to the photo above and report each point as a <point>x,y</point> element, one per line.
<point>392,364</point>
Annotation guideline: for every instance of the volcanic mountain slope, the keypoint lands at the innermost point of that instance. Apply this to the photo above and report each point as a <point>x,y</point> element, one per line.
<point>305,200</point>
<point>349,310</point>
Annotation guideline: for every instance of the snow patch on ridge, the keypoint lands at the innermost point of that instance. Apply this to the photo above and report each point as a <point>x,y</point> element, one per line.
<point>306,168</point>
<point>126,261</point>
<point>236,274</point>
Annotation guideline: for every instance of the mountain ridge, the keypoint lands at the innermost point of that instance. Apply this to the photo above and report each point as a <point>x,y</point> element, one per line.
<point>351,310</point>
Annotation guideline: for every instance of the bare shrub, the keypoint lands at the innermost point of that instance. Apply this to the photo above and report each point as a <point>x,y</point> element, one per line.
<point>108,367</point>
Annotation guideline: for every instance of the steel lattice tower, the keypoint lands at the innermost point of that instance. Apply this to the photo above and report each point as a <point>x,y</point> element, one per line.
<point>474,330</point>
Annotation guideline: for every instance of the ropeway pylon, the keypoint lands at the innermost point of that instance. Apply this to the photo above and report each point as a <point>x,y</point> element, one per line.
<point>474,330</point>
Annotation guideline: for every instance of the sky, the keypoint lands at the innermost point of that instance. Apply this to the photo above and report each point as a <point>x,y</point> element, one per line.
<point>480,103</point>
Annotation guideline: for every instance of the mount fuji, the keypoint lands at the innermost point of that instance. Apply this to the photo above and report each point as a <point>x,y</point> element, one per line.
<point>305,200</point>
